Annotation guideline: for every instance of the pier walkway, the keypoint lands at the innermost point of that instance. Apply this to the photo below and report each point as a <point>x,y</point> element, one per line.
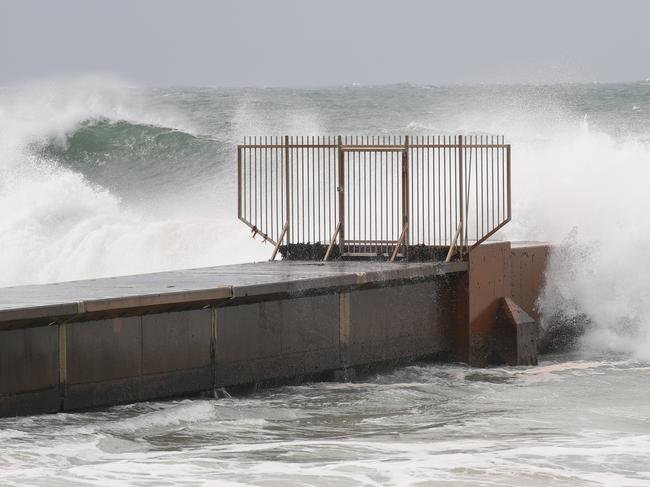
<point>42,303</point>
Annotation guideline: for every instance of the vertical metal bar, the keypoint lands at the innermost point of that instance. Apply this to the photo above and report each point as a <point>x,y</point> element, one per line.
<point>424,184</point>
<point>255,181</point>
<point>311,224</point>
<point>304,196</point>
<point>320,193</point>
<point>493,207</point>
<point>349,201</point>
<point>267,206</point>
<point>251,187</point>
<point>476,189</point>
<point>455,177</point>
<point>480,154</point>
<point>394,183</point>
<point>414,187</point>
<point>287,189</point>
<point>246,186</point>
<point>276,154</point>
<point>313,194</point>
<point>445,209</point>
<point>239,187</point>
<point>459,143</point>
<point>362,197</point>
<point>442,161</point>
<point>405,191</point>
<point>503,181</point>
<point>376,208</point>
<point>430,242</point>
<point>352,201</point>
<point>341,194</point>
<point>384,190</point>
<point>509,184</point>
<point>327,176</point>
<point>498,162</point>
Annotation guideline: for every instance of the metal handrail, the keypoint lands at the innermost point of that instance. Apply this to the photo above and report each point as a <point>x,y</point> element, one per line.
<point>375,194</point>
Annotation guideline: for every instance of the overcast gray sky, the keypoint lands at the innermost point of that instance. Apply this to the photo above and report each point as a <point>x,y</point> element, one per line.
<point>291,42</point>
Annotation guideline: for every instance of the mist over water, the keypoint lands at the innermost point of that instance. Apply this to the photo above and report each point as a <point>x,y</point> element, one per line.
<point>99,178</point>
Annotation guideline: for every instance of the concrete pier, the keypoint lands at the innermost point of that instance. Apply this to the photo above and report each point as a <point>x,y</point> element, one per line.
<point>84,344</point>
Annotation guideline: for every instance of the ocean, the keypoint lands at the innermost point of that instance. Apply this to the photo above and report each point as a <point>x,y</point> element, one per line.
<point>102,178</point>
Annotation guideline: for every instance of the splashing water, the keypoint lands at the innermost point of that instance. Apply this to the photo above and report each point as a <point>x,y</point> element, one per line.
<point>99,178</point>
<point>79,198</point>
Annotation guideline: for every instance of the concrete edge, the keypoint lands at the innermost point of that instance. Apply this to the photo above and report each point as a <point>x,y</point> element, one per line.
<point>348,280</point>
<point>31,316</point>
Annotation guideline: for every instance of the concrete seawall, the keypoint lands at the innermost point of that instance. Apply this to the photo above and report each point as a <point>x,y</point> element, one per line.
<point>101,342</point>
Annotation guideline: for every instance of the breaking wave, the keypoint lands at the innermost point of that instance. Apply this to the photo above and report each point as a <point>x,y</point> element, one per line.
<point>96,182</point>
<point>99,178</point>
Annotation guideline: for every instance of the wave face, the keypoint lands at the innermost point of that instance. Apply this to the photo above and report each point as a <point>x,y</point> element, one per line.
<point>99,178</point>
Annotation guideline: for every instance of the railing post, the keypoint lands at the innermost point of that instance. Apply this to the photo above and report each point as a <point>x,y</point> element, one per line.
<point>509,187</point>
<point>461,199</point>
<point>341,191</point>
<point>239,183</point>
<point>405,192</point>
<point>287,189</point>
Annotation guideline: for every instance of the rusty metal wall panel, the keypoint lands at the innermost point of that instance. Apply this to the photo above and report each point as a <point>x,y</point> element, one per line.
<point>277,339</point>
<point>176,341</point>
<point>104,350</point>
<point>29,359</point>
<point>489,281</point>
<point>399,322</point>
<point>528,270</point>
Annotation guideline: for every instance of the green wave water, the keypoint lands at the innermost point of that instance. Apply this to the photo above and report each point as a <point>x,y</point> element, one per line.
<point>98,178</point>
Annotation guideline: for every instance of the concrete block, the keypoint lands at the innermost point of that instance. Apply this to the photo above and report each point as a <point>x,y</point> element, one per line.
<point>105,393</point>
<point>26,403</point>
<point>29,371</point>
<point>249,331</point>
<point>310,324</point>
<point>513,338</point>
<point>403,321</point>
<point>104,350</point>
<point>526,331</point>
<point>277,339</point>
<point>29,359</point>
<point>176,341</point>
<point>175,383</point>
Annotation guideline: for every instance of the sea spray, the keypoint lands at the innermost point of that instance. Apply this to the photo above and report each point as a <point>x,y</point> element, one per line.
<point>57,224</point>
<point>100,178</point>
<point>588,200</point>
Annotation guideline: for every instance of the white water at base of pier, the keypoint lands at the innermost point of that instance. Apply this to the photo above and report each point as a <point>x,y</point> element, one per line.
<point>419,425</point>
<point>98,178</point>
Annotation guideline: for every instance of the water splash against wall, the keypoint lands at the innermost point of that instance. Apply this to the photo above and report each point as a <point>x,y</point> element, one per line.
<point>98,178</point>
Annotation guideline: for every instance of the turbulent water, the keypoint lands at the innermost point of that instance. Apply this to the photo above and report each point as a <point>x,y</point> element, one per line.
<point>570,421</point>
<point>100,178</point>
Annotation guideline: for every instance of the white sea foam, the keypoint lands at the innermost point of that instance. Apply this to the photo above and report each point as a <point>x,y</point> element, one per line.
<point>574,185</point>
<point>586,192</point>
<point>56,225</point>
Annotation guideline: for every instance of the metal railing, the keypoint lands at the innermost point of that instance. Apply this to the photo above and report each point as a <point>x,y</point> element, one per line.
<point>375,195</point>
